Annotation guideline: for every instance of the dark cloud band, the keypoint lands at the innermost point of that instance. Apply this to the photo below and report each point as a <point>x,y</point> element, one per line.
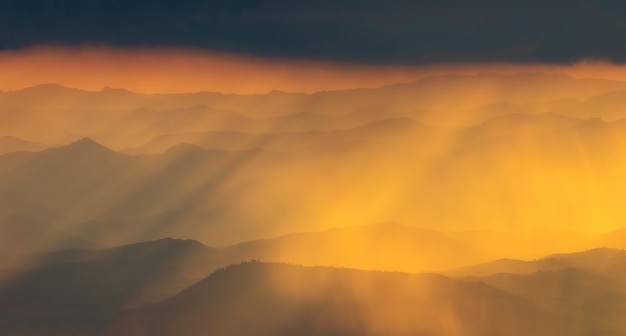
<point>366,31</point>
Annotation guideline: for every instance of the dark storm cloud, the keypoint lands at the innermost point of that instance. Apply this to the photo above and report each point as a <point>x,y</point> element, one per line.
<point>367,31</point>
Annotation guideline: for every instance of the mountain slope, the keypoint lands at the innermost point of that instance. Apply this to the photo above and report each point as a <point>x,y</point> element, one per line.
<point>161,288</point>
<point>592,302</point>
<point>76,292</point>
<point>608,261</point>
<point>278,299</point>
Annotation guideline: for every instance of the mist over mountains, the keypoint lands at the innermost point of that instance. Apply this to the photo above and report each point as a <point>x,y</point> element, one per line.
<point>126,119</point>
<point>453,152</point>
<point>316,214</point>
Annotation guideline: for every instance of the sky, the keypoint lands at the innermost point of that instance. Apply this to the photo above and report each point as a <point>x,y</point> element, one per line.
<point>300,45</point>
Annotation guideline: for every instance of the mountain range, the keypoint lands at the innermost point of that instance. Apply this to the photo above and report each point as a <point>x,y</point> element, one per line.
<point>454,205</point>
<point>168,287</point>
<point>125,119</point>
<point>226,187</point>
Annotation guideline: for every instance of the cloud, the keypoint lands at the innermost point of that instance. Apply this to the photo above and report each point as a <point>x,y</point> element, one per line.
<point>364,31</point>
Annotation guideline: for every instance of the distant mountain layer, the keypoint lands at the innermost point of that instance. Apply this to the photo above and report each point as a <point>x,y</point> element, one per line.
<point>548,170</point>
<point>384,246</point>
<point>449,153</point>
<point>605,260</point>
<point>381,130</point>
<point>10,144</point>
<point>279,299</point>
<point>123,119</point>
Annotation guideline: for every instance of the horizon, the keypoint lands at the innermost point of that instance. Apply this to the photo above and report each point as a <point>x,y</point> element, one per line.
<point>188,71</point>
<point>384,85</point>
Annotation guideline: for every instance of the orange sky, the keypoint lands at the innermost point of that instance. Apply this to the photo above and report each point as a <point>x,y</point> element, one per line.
<point>185,70</point>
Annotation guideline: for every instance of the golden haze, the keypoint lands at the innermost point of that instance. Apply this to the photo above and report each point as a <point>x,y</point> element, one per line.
<point>488,166</point>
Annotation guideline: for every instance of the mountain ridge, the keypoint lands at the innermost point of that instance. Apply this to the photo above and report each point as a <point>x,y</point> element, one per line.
<point>481,75</point>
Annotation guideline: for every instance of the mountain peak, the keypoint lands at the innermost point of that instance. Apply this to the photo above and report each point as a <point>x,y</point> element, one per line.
<point>84,146</point>
<point>108,89</point>
<point>164,244</point>
<point>87,143</point>
<point>49,88</point>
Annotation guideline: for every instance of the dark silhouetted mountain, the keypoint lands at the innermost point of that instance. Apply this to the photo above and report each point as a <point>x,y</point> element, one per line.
<point>278,299</point>
<point>116,291</point>
<point>78,291</point>
<point>84,146</point>
<point>146,271</point>
<point>82,156</point>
